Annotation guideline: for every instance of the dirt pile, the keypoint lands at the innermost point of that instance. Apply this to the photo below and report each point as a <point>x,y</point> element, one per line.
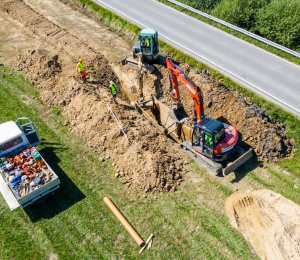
<point>267,137</point>
<point>64,42</point>
<point>148,163</point>
<point>269,221</point>
<point>39,65</point>
<point>44,70</point>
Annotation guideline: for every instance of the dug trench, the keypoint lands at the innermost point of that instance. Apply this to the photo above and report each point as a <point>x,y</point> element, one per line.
<point>150,162</point>
<point>267,137</point>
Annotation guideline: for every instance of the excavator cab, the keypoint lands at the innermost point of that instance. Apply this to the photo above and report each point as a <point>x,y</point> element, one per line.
<point>207,135</point>
<point>148,44</point>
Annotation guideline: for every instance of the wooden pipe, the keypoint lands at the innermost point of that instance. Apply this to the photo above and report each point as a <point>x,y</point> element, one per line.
<point>124,222</point>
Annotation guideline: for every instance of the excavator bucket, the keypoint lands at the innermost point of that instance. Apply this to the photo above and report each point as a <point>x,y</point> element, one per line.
<point>133,63</point>
<point>167,116</point>
<point>179,115</point>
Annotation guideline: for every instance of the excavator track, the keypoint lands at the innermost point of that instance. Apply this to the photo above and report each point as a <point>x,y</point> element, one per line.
<point>224,168</point>
<point>213,167</point>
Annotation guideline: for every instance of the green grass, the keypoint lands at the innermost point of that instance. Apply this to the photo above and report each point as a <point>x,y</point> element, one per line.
<point>75,223</point>
<point>242,36</point>
<point>291,121</point>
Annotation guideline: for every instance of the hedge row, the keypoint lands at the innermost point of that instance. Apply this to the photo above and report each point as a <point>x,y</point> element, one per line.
<point>276,20</point>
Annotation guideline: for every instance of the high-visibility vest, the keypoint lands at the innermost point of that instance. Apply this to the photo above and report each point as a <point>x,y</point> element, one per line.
<point>114,88</point>
<point>208,139</point>
<point>80,65</point>
<point>147,43</point>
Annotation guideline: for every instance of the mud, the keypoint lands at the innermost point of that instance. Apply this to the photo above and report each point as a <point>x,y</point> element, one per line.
<point>269,221</point>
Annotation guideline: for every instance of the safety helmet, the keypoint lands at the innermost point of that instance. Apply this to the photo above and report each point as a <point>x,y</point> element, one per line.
<point>111,82</point>
<point>80,60</point>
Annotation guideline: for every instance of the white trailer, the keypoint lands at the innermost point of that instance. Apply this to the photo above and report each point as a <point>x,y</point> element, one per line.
<point>15,137</point>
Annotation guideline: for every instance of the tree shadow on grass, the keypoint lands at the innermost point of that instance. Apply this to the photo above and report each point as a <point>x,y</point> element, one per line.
<point>64,197</point>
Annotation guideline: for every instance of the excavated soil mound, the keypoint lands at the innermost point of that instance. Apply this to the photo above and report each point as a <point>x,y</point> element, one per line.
<point>267,137</point>
<point>98,67</point>
<point>269,221</point>
<point>147,162</point>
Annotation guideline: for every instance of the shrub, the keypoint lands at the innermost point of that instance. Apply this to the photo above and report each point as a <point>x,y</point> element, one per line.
<point>241,13</point>
<point>203,5</point>
<point>279,21</point>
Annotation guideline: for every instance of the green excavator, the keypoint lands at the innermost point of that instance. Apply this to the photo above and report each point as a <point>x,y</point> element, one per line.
<point>148,47</point>
<point>144,51</point>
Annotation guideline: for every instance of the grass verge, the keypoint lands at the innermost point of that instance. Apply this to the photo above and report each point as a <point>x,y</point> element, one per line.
<point>242,36</point>
<point>76,224</point>
<point>291,121</point>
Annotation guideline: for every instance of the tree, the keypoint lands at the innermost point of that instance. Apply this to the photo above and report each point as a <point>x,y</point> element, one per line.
<point>241,13</point>
<point>279,21</point>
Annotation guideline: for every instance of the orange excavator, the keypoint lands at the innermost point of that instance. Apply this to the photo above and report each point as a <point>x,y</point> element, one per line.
<point>214,145</point>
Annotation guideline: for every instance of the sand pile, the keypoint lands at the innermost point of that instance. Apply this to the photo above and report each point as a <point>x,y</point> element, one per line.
<point>269,221</point>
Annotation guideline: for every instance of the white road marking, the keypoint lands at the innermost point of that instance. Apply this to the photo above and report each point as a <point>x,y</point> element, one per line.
<point>201,57</point>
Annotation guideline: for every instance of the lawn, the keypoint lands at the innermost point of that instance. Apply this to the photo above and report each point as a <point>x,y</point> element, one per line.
<point>75,223</point>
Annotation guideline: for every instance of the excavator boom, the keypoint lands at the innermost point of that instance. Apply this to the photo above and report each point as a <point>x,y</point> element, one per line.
<point>214,145</point>
<point>195,91</point>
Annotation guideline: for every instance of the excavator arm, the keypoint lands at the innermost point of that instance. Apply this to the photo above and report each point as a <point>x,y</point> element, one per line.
<point>176,73</point>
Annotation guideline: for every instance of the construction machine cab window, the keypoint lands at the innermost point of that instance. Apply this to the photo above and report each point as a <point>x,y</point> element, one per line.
<point>219,136</point>
<point>208,140</point>
<point>198,137</point>
<point>146,44</point>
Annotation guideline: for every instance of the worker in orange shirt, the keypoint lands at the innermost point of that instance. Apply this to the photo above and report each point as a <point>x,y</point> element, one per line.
<point>80,69</point>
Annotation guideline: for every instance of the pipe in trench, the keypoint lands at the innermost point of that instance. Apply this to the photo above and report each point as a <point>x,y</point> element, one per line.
<point>124,222</point>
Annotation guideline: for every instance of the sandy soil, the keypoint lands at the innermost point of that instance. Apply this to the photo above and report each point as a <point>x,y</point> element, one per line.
<point>45,39</point>
<point>269,221</point>
<point>146,163</point>
<point>52,71</point>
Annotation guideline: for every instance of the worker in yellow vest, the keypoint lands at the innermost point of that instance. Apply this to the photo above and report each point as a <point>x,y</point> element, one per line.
<point>147,43</point>
<point>80,69</point>
<point>113,91</point>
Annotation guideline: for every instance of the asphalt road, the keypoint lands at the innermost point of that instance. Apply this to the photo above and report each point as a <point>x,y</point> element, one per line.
<point>274,78</point>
